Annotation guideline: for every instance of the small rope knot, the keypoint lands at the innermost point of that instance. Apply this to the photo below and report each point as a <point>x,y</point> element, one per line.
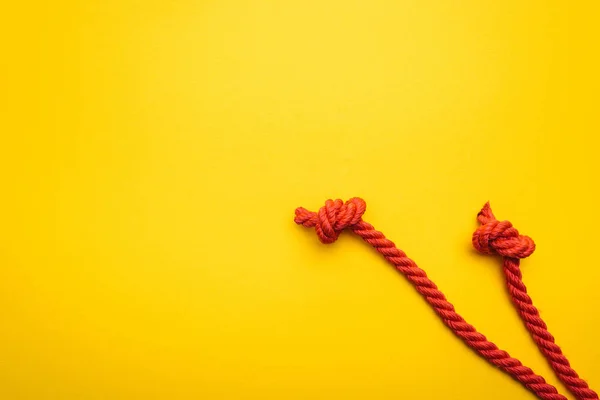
<point>500,237</point>
<point>332,218</point>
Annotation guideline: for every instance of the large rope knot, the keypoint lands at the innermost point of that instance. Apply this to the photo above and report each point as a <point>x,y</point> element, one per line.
<point>500,237</point>
<point>332,218</point>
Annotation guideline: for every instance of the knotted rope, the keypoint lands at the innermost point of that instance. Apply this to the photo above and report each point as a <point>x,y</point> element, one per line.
<point>501,238</point>
<point>336,216</point>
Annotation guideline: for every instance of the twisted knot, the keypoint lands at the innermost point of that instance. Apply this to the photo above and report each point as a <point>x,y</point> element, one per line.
<point>498,237</point>
<point>332,218</point>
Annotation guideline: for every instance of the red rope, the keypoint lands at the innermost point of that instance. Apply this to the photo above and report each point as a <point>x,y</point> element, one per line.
<point>501,238</point>
<point>336,216</point>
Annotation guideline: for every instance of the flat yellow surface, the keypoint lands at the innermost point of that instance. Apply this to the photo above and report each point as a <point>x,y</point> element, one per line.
<point>153,153</point>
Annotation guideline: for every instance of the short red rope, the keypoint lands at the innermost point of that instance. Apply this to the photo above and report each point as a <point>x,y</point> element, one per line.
<point>336,216</point>
<point>501,238</point>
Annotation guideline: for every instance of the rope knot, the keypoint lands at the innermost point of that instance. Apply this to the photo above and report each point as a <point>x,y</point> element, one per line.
<point>500,237</point>
<point>332,218</point>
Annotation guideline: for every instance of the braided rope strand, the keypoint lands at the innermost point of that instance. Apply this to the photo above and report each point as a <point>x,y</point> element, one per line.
<point>500,237</point>
<point>336,216</point>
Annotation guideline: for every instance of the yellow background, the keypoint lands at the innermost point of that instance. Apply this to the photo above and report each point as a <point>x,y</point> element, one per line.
<point>153,153</point>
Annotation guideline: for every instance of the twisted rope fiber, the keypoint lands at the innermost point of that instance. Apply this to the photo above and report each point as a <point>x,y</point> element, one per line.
<point>336,216</point>
<point>494,237</point>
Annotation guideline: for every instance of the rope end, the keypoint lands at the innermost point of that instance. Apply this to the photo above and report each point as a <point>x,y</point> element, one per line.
<point>305,217</point>
<point>498,237</point>
<point>332,218</point>
<point>485,215</point>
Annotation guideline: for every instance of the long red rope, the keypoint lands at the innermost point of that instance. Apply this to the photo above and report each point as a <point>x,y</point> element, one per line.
<point>502,238</point>
<point>336,216</point>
